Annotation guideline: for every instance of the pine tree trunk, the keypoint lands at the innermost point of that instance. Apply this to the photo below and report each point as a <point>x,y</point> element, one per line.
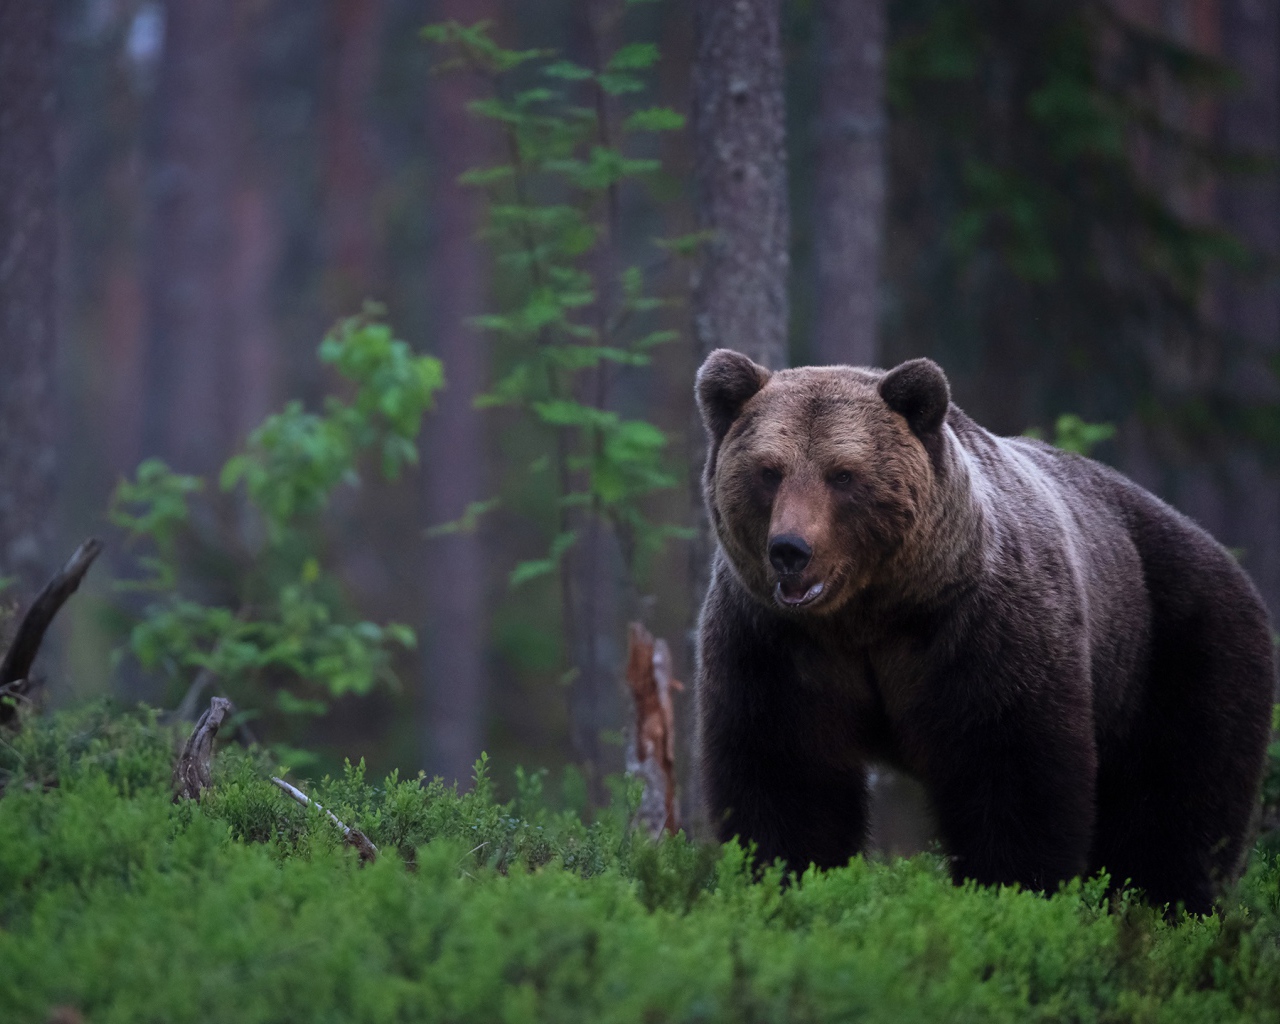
<point>355,31</point>
<point>456,684</point>
<point>739,124</point>
<point>849,180</point>
<point>189,382</point>
<point>1251,310</point>
<point>740,170</point>
<point>255,254</point>
<point>28,289</point>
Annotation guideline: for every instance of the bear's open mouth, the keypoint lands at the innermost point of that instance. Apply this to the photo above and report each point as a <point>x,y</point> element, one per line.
<point>794,593</point>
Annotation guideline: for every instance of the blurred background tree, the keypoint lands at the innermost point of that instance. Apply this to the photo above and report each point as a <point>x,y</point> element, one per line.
<point>28,292</point>
<point>1072,204</point>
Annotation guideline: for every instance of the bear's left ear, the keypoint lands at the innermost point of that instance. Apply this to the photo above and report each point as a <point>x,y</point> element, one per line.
<point>918,391</point>
<point>726,382</point>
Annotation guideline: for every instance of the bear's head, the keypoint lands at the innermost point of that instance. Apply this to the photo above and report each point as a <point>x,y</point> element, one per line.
<point>818,477</point>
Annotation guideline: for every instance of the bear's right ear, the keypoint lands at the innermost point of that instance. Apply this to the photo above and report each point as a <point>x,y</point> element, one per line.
<point>918,391</point>
<point>726,381</point>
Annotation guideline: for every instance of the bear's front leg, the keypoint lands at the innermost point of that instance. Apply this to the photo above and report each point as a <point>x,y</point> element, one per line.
<point>1013,790</point>
<point>775,757</point>
<point>789,806</point>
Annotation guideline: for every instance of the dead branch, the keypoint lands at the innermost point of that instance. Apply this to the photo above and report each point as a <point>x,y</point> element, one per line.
<point>351,836</point>
<point>191,775</point>
<point>15,670</point>
<point>651,745</point>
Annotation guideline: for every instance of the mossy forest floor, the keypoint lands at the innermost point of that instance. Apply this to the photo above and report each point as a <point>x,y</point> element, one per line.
<point>117,904</point>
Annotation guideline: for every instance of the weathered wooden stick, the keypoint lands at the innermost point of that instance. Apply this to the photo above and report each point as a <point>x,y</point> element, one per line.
<point>191,775</point>
<point>352,836</point>
<point>15,669</point>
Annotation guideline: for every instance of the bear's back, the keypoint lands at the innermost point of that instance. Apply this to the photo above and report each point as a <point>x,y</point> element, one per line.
<point>1144,570</point>
<point>1062,534</point>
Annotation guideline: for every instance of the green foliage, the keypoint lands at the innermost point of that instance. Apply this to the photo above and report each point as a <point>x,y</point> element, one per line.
<point>1271,780</point>
<point>1046,154</point>
<point>567,318</point>
<point>1072,434</point>
<point>155,505</point>
<point>124,906</point>
<point>286,622</point>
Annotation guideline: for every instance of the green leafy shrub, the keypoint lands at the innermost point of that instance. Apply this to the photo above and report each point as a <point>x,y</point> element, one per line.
<point>568,319</point>
<point>1072,434</point>
<point>125,906</point>
<point>284,623</point>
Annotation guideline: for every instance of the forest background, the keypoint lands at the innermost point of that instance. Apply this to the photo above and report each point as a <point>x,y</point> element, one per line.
<point>1074,206</point>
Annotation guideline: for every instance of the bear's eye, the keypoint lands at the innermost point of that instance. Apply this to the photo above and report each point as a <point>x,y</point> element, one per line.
<point>770,477</point>
<point>842,479</point>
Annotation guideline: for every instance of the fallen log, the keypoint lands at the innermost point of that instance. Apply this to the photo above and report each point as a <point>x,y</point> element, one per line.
<point>15,669</point>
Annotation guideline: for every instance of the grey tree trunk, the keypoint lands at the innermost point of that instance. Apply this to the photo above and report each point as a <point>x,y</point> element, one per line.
<point>456,685</point>
<point>355,35</point>
<point>739,125</point>
<point>1251,208</point>
<point>189,416</point>
<point>28,290</point>
<point>740,169</point>
<point>849,180</point>
<point>589,577</point>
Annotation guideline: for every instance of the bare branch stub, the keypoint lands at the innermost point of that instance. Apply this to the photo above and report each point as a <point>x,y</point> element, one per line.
<point>15,669</point>
<point>352,836</point>
<point>191,775</point>
<point>651,746</point>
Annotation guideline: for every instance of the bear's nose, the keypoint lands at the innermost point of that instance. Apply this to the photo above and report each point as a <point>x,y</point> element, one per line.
<point>789,554</point>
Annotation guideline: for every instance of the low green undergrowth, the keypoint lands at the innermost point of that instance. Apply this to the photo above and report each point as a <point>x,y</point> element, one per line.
<point>124,906</point>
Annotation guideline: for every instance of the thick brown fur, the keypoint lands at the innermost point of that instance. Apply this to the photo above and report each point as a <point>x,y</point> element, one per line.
<point>1079,675</point>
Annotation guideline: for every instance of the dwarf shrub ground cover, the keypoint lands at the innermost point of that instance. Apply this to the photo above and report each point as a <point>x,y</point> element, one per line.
<point>127,907</point>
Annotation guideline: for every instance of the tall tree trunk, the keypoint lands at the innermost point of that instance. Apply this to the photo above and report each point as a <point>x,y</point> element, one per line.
<point>739,124</point>
<point>255,253</point>
<point>1251,310</point>
<point>849,179</point>
<point>850,127</point>
<point>189,415</point>
<point>28,292</point>
<point>355,31</point>
<point>591,583</point>
<point>740,169</point>
<point>456,687</point>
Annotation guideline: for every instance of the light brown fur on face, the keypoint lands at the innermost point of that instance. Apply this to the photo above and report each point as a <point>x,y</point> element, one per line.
<point>817,454</point>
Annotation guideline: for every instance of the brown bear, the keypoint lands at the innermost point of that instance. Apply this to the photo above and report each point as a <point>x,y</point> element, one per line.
<point>1080,677</point>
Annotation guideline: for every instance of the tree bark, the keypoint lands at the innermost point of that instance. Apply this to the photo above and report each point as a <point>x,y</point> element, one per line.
<point>255,252</point>
<point>456,684</point>
<point>739,124</point>
<point>355,29</point>
<point>190,391</point>
<point>1250,207</point>
<point>849,180</point>
<point>740,171</point>
<point>28,289</point>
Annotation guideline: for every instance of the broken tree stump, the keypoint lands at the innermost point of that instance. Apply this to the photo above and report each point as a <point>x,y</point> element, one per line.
<point>651,745</point>
<point>192,774</point>
<point>15,669</point>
